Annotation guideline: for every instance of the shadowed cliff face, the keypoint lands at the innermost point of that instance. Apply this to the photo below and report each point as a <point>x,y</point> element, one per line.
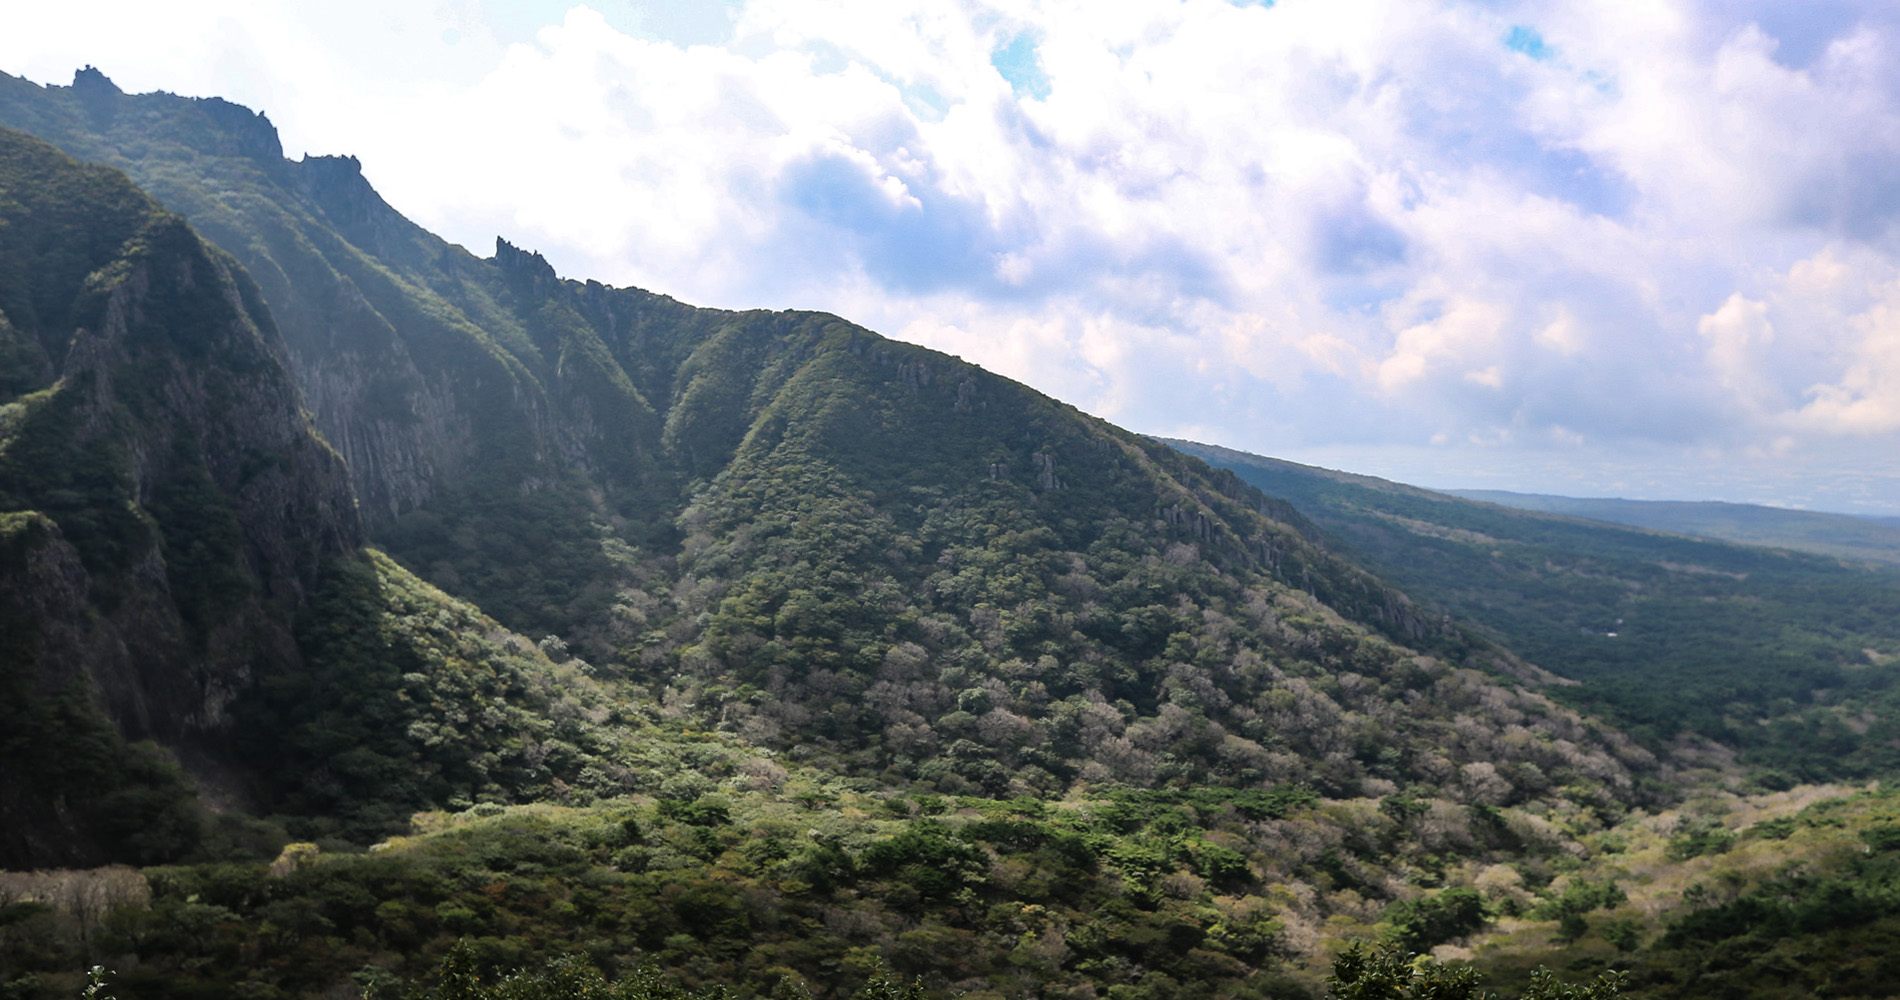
<point>490,393</point>
<point>167,504</point>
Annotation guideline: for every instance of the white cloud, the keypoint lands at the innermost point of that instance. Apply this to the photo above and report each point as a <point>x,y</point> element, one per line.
<point>1563,334</point>
<point>1465,331</point>
<point>1737,334</point>
<point>1865,399</point>
<point>1322,224</point>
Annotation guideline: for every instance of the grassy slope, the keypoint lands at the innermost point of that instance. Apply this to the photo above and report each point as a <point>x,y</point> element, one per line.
<point>1786,655</point>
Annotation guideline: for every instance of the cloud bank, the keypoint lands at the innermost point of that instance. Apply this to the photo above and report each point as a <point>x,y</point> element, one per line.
<point>1642,248</point>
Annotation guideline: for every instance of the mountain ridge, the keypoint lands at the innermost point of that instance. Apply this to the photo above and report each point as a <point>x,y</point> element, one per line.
<point>1848,536</point>
<point>848,547</point>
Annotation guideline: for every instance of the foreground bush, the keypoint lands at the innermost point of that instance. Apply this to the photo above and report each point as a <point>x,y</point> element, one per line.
<point>460,978</point>
<point>1393,973</point>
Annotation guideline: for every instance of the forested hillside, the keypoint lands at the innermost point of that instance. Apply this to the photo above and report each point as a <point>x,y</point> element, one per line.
<point>1786,656</point>
<point>877,557</point>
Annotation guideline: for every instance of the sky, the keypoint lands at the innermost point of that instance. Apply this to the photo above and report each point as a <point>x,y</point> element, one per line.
<point>1647,248</point>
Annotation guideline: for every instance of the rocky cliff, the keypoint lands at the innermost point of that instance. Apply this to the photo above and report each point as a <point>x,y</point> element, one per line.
<point>167,503</point>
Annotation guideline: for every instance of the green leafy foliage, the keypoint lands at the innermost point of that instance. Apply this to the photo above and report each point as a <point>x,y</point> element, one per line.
<point>460,978</point>
<point>1581,896</point>
<point>1802,904</point>
<point>1825,926</point>
<point>125,799</point>
<point>1698,836</point>
<point>1423,923</point>
<point>1395,973</point>
<point>409,700</point>
<point>811,885</point>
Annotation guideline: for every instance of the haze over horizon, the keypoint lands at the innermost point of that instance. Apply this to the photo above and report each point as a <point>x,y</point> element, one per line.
<point>1648,251</point>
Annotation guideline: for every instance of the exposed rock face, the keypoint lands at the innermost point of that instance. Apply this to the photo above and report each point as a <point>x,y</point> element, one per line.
<point>166,501</point>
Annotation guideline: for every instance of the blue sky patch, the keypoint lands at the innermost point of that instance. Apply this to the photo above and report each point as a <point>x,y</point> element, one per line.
<point>925,101</point>
<point>1528,41</point>
<point>1017,61</point>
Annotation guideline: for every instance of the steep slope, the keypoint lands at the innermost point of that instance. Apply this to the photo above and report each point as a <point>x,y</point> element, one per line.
<point>893,562</point>
<point>1841,535</point>
<point>436,374</point>
<point>182,580</point>
<point>166,506</point>
<point>854,550</point>
<point>784,525</point>
<point>1782,654</point>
